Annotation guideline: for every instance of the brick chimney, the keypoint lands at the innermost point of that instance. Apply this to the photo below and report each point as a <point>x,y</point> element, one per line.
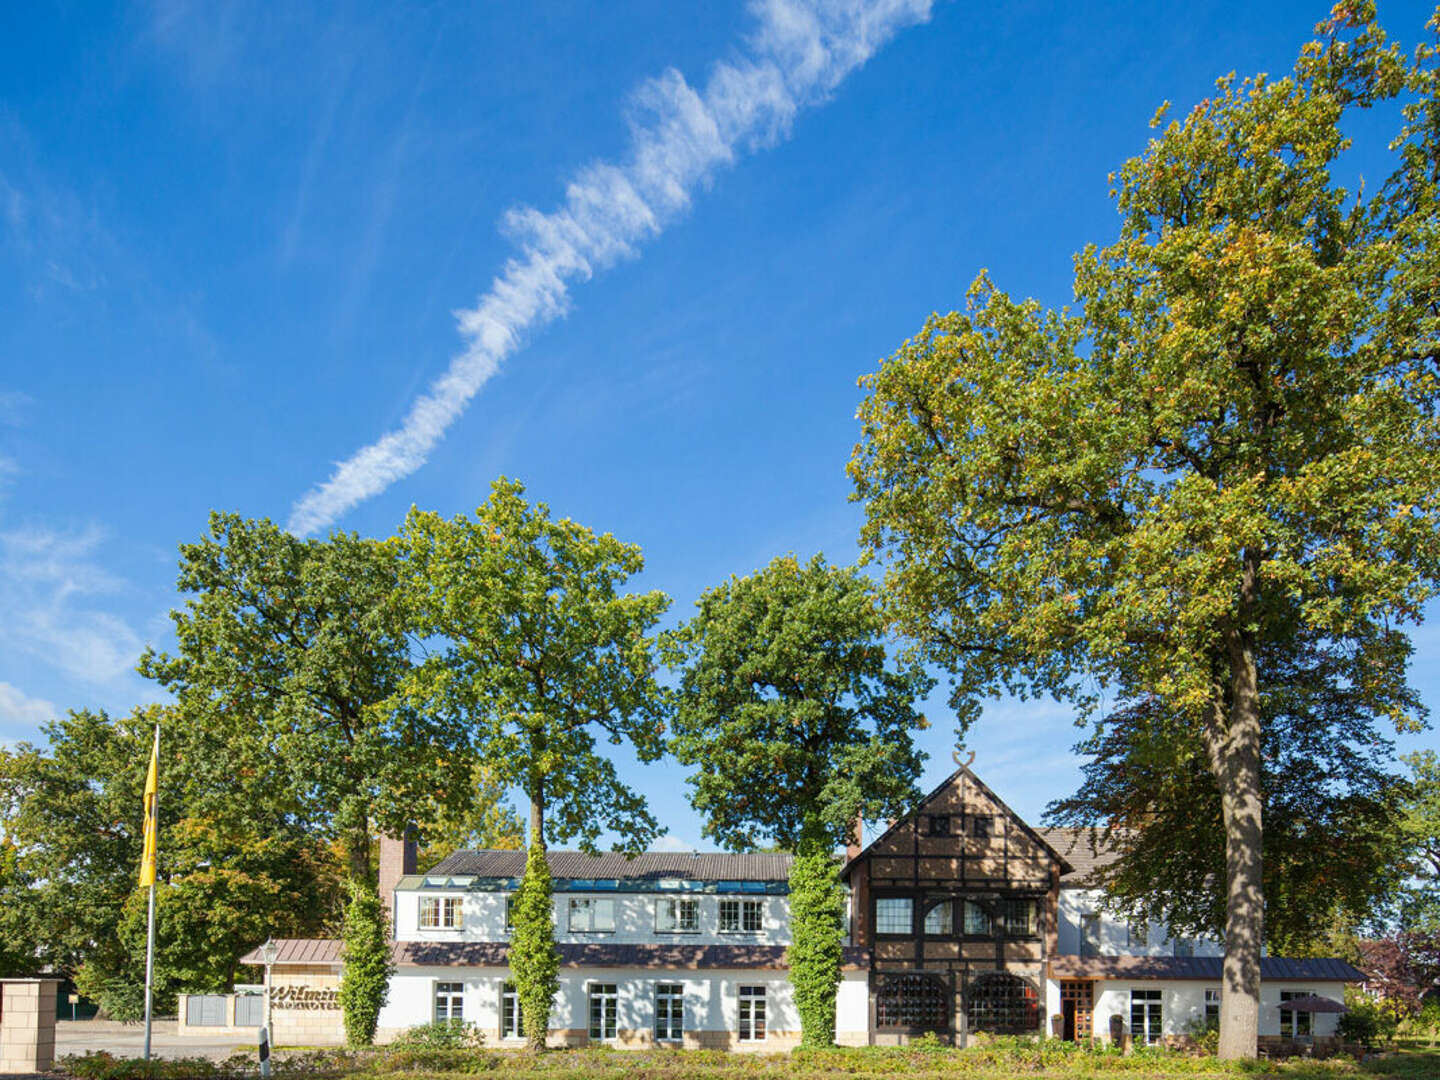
<point>855,846</point>
<point>397,858</point>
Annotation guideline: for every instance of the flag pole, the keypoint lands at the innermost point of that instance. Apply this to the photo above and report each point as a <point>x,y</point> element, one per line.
<point>152,826</point>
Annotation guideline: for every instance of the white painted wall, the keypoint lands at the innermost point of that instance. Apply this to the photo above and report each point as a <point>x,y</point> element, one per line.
<point>483,919</point>
<point>1115,936</point>
<point>1183,1003</point>
<point>710,998</point>
<point>852,1003</point>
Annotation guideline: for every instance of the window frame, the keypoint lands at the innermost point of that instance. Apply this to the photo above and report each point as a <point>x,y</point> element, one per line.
<point>750,1013</point>
<point>742,911</point>
<point>592,906</point>
<point>511,1016</point>
<point>982,826</point>
<point>1152,1008</point>
<point>1212,1006</point>
<point>452,995</point>
<point>880,930</point>
<point>600,994</point>
<point>449,913</point>
<point>677,904</point>
<point>1295,1019</point>
<point>670,1020</point>
<point>938,825</point>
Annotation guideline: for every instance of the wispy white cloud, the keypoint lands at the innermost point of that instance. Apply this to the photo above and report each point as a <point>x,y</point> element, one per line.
<point>50,585</point>
<point>679,136</point>
<point>22,714</point>
<point>662,843</point>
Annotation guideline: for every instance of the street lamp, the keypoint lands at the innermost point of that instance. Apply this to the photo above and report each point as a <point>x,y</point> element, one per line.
<point>268,952</point>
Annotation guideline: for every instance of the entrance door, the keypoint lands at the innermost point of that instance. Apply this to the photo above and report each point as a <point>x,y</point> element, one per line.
<point>1077,1004</point>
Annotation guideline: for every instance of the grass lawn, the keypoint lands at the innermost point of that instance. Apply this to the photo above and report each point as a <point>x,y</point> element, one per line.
<point>1051,1061</point>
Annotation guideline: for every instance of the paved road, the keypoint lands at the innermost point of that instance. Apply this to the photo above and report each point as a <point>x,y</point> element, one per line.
<point>128,1040</point>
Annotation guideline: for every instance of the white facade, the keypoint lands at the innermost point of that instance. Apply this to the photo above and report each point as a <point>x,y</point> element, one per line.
<point>1080,917</point>
<point>635,918</point>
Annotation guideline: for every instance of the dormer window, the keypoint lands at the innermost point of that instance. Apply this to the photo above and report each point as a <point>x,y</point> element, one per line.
<point>439,913</point>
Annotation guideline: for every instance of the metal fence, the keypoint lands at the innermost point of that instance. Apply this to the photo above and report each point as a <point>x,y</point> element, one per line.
<point>249,1010</point>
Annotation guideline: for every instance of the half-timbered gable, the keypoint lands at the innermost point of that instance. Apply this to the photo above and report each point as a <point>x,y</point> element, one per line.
<point>956,903</point>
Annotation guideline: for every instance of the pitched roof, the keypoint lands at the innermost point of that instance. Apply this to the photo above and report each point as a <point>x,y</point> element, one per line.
<point>497,954</point>
<point>1035,834</point>
<point>649,865</point>
<point>1320,969</point>
<point>299,951</point>
<point>1086,850</point>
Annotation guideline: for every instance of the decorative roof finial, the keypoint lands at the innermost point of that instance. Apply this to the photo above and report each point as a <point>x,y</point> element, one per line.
<point>967,762</point>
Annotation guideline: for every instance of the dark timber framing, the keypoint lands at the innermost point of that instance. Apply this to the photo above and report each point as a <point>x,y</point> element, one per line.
<point>992,867</point>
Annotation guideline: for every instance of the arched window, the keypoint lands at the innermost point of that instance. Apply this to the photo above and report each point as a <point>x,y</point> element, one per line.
<point>940,920</point>
<point>912,1000</point>
<point>1002,1003</point>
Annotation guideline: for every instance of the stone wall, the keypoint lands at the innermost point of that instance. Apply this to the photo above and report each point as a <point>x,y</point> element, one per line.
<point>27,1024</point>
<point>304,1010</point>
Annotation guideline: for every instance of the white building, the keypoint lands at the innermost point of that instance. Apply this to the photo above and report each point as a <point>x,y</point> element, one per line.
<point>963,919</point>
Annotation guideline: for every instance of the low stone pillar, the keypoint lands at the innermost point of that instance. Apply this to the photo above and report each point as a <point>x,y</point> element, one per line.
<point>27,1024</point>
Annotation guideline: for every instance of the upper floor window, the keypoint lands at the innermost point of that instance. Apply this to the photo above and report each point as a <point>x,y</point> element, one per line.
<point>894,915</point>
<point>977,920</point>
<point>1184,946</point>
<point>677,916</point>
<point>981,826</point>
<point>1090,935</point>
<point>741,916</point>
<point>509,914</point>
<point>439,912</point>
<point>591,915</point>
<point>940,919</point>
<point>939,825</point>
<point>1018,917</point>
<point>1139,935</point>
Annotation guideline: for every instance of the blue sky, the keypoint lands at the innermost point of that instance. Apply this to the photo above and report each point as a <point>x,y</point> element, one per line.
<point>235,237</point>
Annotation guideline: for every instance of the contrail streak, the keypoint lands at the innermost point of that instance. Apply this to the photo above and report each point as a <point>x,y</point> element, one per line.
<point>679,136</point>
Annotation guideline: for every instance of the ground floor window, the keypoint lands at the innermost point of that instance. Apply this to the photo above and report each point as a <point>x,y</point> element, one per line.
<point>1145,1016</point>
<point>603,1006</point>
<point>1293,1023</point>
<point>912,1000</point>
<point>1003,1003</point>
<point>512,1024</point>
<point>449,1001</point>
<point>1212,1007</point>
<point>752,1014</point>
<point>669,1011</point>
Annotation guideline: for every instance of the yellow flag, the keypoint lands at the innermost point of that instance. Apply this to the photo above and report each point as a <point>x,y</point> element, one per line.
<point>152,814</point>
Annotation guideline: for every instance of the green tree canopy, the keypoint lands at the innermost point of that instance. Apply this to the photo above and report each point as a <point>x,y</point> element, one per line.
<point>798,725</point>
<point>1419,910</point>
<point>290,655</point>
<point>541,652</point>
<point>792,712</point>
<point>233,867</point>
<point>1237,429</point>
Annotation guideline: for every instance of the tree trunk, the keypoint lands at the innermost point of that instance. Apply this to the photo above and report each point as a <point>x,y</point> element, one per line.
<point>537,819</point>
<point>357,853</point>
<point>1235,757</point>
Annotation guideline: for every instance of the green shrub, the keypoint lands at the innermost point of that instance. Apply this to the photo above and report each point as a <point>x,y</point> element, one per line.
<point>534,960</point>
<point>817,915</point>
<point>365,981</point>
<point>440,1035</point>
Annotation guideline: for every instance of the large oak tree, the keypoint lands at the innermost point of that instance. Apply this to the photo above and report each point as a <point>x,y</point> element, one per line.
<point>797,724</point>
<point>542,653</point>
<point>1236,429</point>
